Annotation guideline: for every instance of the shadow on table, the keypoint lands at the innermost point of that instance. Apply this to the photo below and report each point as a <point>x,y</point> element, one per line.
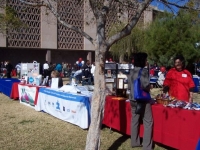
<point>118,142</point>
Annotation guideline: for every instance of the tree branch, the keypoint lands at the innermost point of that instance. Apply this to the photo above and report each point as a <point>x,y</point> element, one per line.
<point>126,3</point>
<point>127,29</point>
<point>52,9</point>
<point>167,3</point>
<point>92,5</point>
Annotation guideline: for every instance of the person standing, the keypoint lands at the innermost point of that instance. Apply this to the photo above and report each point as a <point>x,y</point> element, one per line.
<point>179,82</point>
<point>92,71</point>
<point>145,112</point>
<point>9,68</point>
<point>64,68</point>
<point>161,76</point>
<point>45,69</point>
<point>18,68</point>
<point>59,67</point>
<point>2,66</point>
<point>86,72</point>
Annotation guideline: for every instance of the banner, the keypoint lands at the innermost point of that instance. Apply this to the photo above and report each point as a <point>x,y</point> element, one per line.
<point>27,94</point>
<point>31,70</point>
<point>68,107</point>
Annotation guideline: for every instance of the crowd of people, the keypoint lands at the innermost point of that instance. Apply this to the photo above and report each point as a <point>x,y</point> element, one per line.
<point>64,69</point>
<point>81,71</point>
<point>176,82</point>
<point>6,69</point>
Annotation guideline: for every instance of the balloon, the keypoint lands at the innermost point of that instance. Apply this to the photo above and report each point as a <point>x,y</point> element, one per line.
<point>76,62</point>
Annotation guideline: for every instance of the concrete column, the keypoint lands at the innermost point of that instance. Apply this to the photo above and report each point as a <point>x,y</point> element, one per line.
<point>2,40</point>
<point>2,36</point>
<point>89,26</point>
<point>48,56</point>
<point>48,27</point>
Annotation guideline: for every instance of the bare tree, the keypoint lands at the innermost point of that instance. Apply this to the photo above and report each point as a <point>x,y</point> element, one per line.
<point>101,10</point>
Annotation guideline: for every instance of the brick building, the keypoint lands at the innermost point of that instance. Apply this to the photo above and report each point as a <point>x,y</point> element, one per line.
<point>44,38</point>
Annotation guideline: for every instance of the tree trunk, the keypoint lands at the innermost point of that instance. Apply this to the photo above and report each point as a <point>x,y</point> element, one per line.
<point>98,101</point>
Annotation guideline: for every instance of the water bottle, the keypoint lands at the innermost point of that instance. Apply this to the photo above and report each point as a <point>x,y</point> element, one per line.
<point>49,83</point>
<point>73,81</point>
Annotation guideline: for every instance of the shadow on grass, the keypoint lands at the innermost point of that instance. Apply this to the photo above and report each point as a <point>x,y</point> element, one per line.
<point>118,142</point>
<point>164,146</point>
<point>26,121</point>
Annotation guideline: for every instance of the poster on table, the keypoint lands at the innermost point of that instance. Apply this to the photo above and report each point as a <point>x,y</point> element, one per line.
<point>65,106</point>
<point>30,69</point>
<point>27,95</point>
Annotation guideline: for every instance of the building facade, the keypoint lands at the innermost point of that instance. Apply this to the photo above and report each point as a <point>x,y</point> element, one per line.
<point>43,37</point>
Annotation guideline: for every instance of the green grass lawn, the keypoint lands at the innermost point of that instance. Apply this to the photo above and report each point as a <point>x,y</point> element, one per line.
<point>23,128</point>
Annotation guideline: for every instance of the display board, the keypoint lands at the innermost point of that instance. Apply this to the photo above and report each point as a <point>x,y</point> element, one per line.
<point>116,77</point>
<point>27,95</point>
<point>30,69</point>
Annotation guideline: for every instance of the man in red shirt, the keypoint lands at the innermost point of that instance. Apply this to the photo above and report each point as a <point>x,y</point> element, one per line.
<point>179,82</point>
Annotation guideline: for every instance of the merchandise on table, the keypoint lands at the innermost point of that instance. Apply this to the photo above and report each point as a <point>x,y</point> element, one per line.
<point>184,105</point>
<point>164,99</point>
<point>173,102</point>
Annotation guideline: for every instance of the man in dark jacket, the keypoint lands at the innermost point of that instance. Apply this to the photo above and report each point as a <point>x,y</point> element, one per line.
<point>86,72</point>
<point>9,68</point>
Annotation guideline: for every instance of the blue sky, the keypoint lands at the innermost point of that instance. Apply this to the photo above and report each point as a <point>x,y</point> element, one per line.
<point>163,7</point>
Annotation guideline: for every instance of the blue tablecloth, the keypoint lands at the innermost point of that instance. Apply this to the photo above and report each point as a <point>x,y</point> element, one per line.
<point>198,145</point>
<point>6,85</point>
<point>153,79</point>
<point>196,82</point>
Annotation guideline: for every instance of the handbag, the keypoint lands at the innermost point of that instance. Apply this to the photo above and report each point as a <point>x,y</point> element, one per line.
<point>139,93</point>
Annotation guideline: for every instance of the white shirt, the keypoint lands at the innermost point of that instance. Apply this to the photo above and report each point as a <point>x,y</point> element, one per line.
<point>92,69</point>
<point>161,79</point>
<point>18,67</point>
<point>45,66</point>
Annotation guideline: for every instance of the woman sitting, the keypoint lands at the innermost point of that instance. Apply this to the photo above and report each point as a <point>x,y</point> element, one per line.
<point>56,74</point>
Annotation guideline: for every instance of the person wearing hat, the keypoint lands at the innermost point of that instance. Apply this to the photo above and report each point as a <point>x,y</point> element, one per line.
<point>179,82</point>
<point>79,63</point>
<point>161,76</point>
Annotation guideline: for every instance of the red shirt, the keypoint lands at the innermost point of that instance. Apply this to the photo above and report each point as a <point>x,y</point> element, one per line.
<point>152,72</point>
<point>179,83</point>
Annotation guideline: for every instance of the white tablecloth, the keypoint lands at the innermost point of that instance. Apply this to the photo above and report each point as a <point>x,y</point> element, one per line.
<point>73,108</point>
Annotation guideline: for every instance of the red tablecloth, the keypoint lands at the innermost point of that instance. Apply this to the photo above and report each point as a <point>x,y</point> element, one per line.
<point>15,93</point>
<point>174,127</point>
<point>14,73</point>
